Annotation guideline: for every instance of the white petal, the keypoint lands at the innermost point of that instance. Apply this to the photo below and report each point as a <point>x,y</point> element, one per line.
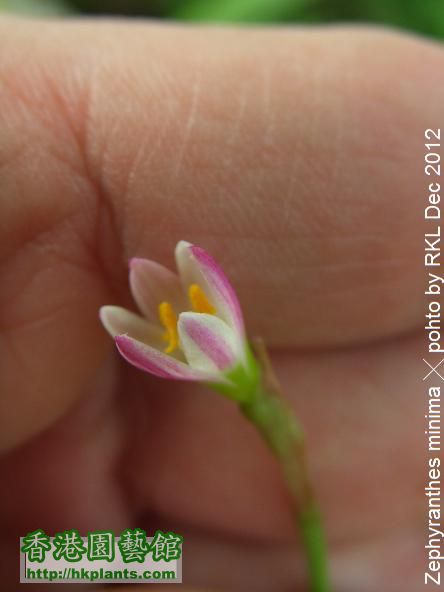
<point>208,343</point>
<point>151,284</point>
<point>196,266</point>
<point>120,321</point>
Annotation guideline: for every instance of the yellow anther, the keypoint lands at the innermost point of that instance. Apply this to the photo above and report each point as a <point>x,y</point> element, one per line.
<point>199,301</point>
<point>168,318</point>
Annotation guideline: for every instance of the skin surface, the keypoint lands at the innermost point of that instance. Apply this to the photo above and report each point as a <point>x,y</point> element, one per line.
<point>295,157</point>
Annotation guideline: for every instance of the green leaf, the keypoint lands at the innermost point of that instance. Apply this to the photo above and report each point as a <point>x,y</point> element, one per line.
<point>239,10</point>
<point>35,7</point>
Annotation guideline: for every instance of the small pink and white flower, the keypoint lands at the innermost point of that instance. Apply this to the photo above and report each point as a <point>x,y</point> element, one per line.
<point>192,326</point>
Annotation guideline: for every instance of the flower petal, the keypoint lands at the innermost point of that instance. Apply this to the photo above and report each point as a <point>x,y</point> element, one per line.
<point>151,284</point>
<point>118,321</point>
<point>209,344</point>
<point>196,266</point>
<point>155,362</point>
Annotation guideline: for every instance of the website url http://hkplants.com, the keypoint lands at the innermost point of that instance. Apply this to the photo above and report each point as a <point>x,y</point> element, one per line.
<point>83,574</point>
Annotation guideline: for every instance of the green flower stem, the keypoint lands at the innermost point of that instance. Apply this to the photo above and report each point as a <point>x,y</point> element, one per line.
<point>269,413</point>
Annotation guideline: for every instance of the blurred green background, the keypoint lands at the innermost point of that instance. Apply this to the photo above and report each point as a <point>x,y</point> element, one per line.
<point>422,16</point>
